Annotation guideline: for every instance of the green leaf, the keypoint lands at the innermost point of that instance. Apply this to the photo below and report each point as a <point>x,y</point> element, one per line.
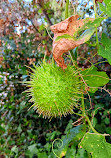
<point>2,130</point>
<point>81,153</point>
<point>71,152</point>
<point>86,35</point>
<point>32,149</point>
<point>69,126</point>
<point>35,6</point>
<point>105,49</point>
<point>96,145</point>
<point>105,40</point>
<point>91,24</point>
<point>67,36</point>
<point>52,135</point>
<point>73,134</point>
<point>1,80</point>
<point>107,120</point>
<point>108,130</point>
<point>106,9</point>
<point>43,154</point>
<point>40,11</point>
<point>94,78</point>
<point>14,149</point>
<point>89,28</point>
<point>102,7</point>
<point>107,1</point>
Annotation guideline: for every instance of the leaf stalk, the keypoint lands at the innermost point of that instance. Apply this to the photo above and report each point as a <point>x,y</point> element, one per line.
<point>66,9</point>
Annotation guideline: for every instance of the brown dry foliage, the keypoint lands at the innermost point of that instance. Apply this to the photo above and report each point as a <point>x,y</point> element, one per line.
<point>99,1</point>
<point>68,26</point>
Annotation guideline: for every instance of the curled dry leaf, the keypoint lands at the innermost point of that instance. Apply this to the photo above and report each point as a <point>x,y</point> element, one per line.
<point>99,1</point>
<point>67,27</point>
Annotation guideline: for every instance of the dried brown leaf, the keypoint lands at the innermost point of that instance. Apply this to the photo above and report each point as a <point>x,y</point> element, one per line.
<point>99,1</point>
<point>68,26</point>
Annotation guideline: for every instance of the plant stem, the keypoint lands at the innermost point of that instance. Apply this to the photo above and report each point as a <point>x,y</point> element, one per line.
<point>89,122</point>
<point>87,118</point>
<point>83,107</point>
<point>97,41</point>
<point>95,8</point>
<point>66,9</point>
<point>82,101</point>
<point>73,58</point>
<point>83,110</point>
<point>66,16</point>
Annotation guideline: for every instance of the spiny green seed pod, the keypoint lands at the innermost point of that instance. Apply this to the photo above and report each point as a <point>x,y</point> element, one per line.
<point>54,92</point>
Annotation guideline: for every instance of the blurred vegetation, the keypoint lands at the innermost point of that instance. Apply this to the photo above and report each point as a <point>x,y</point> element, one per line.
<point>24,40</point>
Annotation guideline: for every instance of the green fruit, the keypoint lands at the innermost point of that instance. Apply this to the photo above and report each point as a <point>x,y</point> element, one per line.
<point>54,92</point>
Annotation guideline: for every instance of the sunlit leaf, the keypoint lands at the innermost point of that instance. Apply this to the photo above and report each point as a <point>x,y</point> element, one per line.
<point>94,78</point>
<point>105,48</point>
<point>14,149</point>
<point>86,35</point>
<point>102,7</point>
<point>107,8</point>
<point>32,149</point>
<point>43,154</point>
<point>96,145</point>
<point>89,24</point>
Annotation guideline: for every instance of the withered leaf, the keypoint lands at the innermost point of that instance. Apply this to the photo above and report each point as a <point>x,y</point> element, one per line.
<point>99,1</point>
<point>65,29</point>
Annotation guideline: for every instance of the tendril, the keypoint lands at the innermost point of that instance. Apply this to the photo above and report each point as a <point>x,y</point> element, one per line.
<point>58,146</point>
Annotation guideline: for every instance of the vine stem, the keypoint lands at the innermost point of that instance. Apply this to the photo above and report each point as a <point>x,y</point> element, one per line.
<point>87,118</point>
<point>84,112</point>
<point>82,101</point>
<point>66,9</point>
<point>97,41</point>
<point>90,124</point>
<point>95,8</point>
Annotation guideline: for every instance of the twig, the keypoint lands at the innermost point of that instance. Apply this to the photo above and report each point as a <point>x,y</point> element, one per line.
<point>45,13</point>
<point>48,33</point>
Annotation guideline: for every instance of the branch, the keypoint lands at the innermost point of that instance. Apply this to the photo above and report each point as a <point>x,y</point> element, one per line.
<point>45,13</point>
